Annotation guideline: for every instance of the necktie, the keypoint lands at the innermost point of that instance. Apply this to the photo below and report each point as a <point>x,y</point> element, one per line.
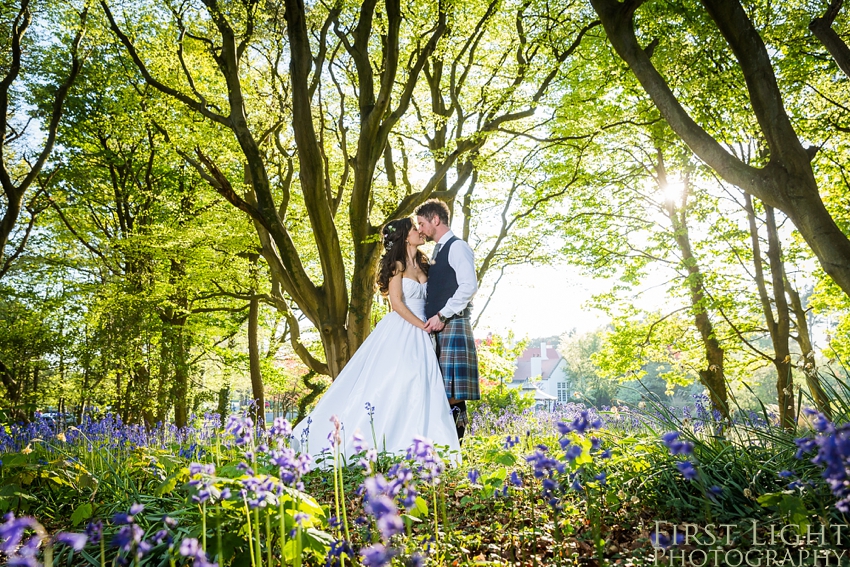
<point>436,251</point>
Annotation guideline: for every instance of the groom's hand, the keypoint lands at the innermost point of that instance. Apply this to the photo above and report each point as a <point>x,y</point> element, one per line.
<point>434,325</point>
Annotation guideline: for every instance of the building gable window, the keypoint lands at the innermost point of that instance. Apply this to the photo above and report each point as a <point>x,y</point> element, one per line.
<point>562,391</point>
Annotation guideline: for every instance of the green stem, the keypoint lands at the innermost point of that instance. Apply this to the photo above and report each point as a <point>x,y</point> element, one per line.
<point>336,483</point>
<point>344,512</point>
<point>268,539</point>
<point>218,534</point>
<point>102,549</point>
<point>282,532</point>
<point>204,526</point>
<point>250,547</point>
<point>257,537</point>
<point>297,561</point>
<point>436,521</point>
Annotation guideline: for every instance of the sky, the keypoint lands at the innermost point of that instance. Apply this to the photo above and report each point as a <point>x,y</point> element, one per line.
<point>540,301</point>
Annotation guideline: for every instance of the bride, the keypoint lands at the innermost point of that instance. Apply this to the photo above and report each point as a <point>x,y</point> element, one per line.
<point>392,389</point>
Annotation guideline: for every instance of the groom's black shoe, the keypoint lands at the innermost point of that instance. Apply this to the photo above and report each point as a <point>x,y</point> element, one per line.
<point>460,417</point>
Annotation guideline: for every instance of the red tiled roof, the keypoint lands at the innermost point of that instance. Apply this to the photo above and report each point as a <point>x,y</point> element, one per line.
<point>523,369</point>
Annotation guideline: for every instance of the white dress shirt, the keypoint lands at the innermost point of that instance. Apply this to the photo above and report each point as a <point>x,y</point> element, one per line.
<point>462,261</point>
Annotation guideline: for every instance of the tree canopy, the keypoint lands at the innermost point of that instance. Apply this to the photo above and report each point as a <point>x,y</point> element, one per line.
<point>193,191</point>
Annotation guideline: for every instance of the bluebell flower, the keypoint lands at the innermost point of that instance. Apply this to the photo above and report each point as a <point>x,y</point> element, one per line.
<point>474,476</point>
<point>189,547</point>
<point>94,531</point>
<point>687,469</point>
<point>377,555</point>
<point>75,541</point>
<point>677,447</point>
<point>515,479</point>
<point>660,540</point>
<point>162,536</point>
<point>602,478</point>
<point>22,561</point>
<point>358,442</point>
<point>127,537</point>
<point>573,452</point>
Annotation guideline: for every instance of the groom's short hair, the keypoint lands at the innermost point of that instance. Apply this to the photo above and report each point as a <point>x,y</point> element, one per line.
<point>434,207</point>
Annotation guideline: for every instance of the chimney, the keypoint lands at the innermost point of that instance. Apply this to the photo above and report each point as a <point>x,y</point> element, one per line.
<point>543,355</point>
<point>536,367</point>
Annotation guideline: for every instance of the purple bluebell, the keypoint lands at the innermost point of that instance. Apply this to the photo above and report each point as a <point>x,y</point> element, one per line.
<point>128,537</point>
<point>94,531</point>
<point>675,445</point>
<point>377,555</point>
<point>662,541</point>
<point>281,428</point>
<point>189,547</point>
<point>573,453</point>
<point>687,469</point>
<point>474,476</point>
<point>75,541</point>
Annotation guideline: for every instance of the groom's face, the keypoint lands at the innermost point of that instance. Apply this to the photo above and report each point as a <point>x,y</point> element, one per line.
<point>426,226</point>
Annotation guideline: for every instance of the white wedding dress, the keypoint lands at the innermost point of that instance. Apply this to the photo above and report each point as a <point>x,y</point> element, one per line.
<point>396,371</point>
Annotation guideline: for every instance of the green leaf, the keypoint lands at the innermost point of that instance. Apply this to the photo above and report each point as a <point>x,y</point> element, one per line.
<point>771,499</point>
<point>82,513</point>
<point>795,509</point>
<point>167,486</point>
<point>317,540</point>
<point>410,518</point>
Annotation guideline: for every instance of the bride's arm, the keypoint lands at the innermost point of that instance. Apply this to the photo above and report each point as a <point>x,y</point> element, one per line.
<point>398,305</point>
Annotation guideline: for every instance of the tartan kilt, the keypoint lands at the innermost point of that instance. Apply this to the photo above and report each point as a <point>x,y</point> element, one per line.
<point>458,359</point>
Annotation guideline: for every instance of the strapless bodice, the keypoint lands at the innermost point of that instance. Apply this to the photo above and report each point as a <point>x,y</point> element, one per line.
<point>413,294</point>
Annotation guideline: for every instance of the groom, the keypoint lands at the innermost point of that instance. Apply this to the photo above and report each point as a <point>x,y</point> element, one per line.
<point>451,284</point>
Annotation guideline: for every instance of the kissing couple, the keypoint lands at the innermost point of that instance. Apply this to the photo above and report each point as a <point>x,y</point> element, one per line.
<point>397,386</point>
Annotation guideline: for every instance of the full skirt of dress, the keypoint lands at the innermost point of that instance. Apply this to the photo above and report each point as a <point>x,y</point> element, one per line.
<point>396,372</point>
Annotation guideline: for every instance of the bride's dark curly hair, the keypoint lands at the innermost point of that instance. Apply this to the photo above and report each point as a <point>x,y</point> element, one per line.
<point>395,251</point>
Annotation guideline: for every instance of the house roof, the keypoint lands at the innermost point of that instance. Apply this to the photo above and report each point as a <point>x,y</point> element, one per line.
<point>539,394</point>
<point>547,366</point>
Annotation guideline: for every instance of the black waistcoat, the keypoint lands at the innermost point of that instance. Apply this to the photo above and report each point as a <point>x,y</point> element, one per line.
<point>442,281</point>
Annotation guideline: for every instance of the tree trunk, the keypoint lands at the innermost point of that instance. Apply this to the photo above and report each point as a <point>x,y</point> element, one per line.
<point>778,325</point>
<point>822,28</point>
<point>782,335</point>
<point>808,364</point>
<point>224,403</point>
<point>712,377</point>
<point>259,398</point>
<point>315,389</point>
<point>15,193</point>
<point>180,391</point>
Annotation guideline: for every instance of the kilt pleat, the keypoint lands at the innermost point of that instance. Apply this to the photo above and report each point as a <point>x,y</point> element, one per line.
<point>459,359</point>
